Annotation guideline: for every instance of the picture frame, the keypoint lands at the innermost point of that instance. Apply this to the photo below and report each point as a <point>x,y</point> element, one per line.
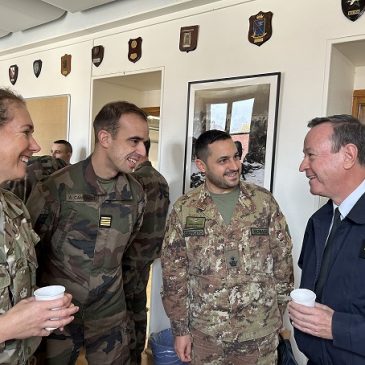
<point>247,108</point>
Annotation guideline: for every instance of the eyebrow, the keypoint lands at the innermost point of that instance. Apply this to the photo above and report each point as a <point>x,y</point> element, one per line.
<point>28,126</point>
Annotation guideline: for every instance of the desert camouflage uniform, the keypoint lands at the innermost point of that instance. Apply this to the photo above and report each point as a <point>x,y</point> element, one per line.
<point>229,282</point>
<point>37,170</point>
<point>18,265</point>
<point>144,249</point>
<point>84,232</point>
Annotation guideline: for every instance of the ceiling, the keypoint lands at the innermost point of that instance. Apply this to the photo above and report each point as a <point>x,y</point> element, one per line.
<point>19,15</point>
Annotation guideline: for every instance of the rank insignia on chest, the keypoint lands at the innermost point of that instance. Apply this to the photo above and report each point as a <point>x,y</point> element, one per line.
<point>105,221</point>
<point>257,231</point>
<point>194,226</point>
<point>232,259</point>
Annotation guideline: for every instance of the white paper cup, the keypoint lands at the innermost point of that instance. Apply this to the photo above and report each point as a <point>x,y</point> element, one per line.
<point>50,292</point>
<point>304,297</point>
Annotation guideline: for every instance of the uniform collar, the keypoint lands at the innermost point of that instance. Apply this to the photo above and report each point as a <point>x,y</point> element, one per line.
<point>204,197</point>
<point>122,185</point>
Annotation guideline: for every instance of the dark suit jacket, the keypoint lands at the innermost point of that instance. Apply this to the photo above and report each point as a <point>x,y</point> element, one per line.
<point>344,290</point>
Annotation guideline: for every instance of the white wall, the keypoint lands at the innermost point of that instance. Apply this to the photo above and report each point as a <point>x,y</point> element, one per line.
<point>299,48</point>
<point>359,78</point>
<point>341,84</point>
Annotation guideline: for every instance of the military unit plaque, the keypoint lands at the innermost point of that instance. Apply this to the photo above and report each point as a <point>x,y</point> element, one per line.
<point>188,38</point>
<point>353,9</point>
<point>135,49</point>
<point>66,64</point>
<point>13,73</point>
<point>37,67</point>
<point>260,28</point>
<point>97,55</point>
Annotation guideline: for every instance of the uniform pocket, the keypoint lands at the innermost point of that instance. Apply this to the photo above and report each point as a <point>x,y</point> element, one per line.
<point>259,259</point>
<point>5,281</point>
<point>64,226</point>
<point>24,279</point>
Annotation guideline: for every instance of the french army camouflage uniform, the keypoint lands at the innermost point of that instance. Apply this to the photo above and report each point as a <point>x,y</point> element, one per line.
<point>227,282</point>
<point>84,232</point>
<point>38,168</point>
<point>145,248</point>
<point>18,264</point>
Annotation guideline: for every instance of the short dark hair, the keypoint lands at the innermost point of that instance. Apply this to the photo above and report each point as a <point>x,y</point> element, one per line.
<point>8,97</point>
<point>109,115</point>
<point>147,146</point>
<point>207,138</point>
<point>346,129</point>
<point>66,143</point>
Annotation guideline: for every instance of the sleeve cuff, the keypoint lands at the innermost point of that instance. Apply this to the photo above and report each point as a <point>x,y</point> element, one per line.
<point>340,330</point>
<point>180,328</point>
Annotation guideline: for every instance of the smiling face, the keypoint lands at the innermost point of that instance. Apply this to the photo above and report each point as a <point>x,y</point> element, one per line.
<point>324,168</point>
<point>17,143</point>
<point>126,148</point>
<point>222,167</point>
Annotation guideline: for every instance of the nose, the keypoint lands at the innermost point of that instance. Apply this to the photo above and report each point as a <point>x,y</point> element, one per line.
<point>34,146</point>
<point>234,164</point>
<point>141,148</point>
<point>304,165</point>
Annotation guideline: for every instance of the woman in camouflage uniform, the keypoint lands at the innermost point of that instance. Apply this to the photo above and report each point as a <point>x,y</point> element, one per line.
<point>22,319</point>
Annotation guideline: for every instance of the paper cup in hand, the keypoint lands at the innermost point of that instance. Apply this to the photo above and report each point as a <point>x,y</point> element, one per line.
<point>50,292</point>
<point>303,296</point>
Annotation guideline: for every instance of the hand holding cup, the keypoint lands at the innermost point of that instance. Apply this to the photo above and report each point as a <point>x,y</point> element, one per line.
<point>50,292</point>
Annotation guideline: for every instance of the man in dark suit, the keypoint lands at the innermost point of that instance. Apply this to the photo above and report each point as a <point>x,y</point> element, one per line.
<point>333,255</point>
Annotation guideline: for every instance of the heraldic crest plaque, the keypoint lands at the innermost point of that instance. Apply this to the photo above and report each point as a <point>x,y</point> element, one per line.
<point>37,67</point>
<point>260,29</point>
<point>135,49</point>
<point>188,38</point>
<point>97,55</point>
<point>66,64</point>
<point>13,73</point>
<point>353,9</point>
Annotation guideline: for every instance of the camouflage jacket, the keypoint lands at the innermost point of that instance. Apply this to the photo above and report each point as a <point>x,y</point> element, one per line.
<point>39,167</point>
<point>146,247</point>
<point>18,265</point>
<point>147,244</point>
<point>84,233</point>
<point>228,281</point>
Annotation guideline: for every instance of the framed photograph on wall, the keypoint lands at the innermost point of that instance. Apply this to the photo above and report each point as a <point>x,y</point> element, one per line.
<point>246,107</point>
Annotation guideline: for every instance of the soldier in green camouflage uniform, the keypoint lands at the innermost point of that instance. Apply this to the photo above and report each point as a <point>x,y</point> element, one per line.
<point>22,319</point>
<point>144,250</point>
<point>87,214</point>
<point>227,264</point>
<point>39,168</point>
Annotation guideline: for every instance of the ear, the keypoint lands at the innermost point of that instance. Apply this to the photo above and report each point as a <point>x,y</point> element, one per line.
<point>104,138</point>
<point>350,156</point>
<point>200,164</point>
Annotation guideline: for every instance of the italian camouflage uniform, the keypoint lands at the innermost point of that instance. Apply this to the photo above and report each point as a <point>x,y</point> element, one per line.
<point>38,168</point>
<point>227,282</point>
<point>84,232</point>
<point>144,249</point>
<point>18,265</point>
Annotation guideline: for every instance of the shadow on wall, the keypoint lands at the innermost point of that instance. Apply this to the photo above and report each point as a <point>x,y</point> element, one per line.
<point>81,155</point>
<point>175,162</point>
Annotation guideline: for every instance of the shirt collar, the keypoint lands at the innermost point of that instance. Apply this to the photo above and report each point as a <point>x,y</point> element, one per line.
<point>346,206</point>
